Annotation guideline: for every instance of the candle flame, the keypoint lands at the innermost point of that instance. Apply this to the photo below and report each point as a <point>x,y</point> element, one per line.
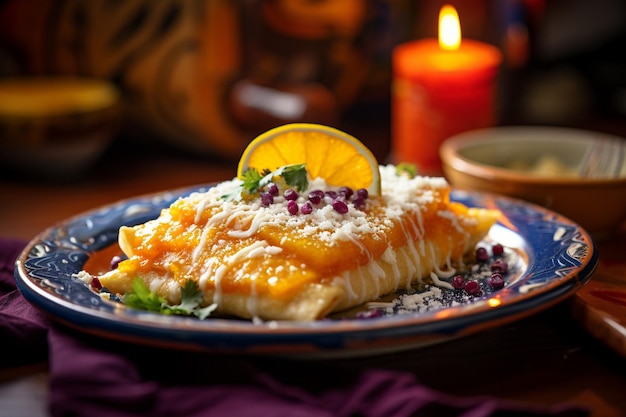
<point>449,28</point>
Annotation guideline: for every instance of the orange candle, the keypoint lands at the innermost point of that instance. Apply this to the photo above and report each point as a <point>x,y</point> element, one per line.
<point>440,87</point>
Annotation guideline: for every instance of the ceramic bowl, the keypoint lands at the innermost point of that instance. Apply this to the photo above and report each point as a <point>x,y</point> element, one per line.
<point>55,127</point>
<point>542,165</point>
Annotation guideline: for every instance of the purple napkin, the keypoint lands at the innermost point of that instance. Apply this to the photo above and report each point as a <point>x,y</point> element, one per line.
<point>91,376</point>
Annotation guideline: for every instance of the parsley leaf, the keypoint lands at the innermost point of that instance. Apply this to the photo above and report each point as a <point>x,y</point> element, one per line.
<point>296,176</point>
<point>142,298</point>
<point>191,296</point>
<point>251,179</point>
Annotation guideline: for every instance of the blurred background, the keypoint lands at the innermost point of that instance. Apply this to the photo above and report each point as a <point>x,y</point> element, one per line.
<point>201,78</point>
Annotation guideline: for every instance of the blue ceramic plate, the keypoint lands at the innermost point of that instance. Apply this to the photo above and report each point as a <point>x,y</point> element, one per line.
<point>550,258</point>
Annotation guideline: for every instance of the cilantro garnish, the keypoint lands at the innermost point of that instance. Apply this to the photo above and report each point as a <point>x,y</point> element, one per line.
<point>296,176</point>
<point>406,168</point>
<point>142,298</point>
<point>292,175</point>
<point>251,180</point>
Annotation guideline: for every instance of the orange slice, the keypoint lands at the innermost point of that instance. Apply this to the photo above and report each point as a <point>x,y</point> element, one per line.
<point>328,153</point>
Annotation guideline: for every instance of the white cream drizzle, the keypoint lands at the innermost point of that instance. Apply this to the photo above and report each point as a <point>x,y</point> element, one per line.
<point>439,282</point>
<point>218,217</point>
<point>258,219</point>
<point>377,273</point>
<point>389,256</point>
<point>198,249</point>
<point>345,281</point>
<point>436,269</point>
<point>217,280</point>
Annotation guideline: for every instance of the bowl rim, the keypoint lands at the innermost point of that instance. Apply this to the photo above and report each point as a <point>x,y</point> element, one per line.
<point>451,157</point>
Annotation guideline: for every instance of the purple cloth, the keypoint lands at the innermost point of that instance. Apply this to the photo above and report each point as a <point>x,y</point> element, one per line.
<point>91,376</point>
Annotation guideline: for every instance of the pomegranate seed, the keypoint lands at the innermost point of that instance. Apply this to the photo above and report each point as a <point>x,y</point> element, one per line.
<point>316,196</point>
<point>292,207</point>
<point>500,265</point>
<point>96,284</point>
<point>331,194</point>
<point>346,192</point>
<point>272,189</point>
<point>358,203</point>
<point>362,192</point>
<point>266,198</point>
<point>497,250</point>
<point>290,195</point>
<point>340,206</point>
<point>115,261</point>
<point>496,281</point>
<point>306,208</point>
<point>482,255</point>
<point>458,282</point>
<point>472,287</point>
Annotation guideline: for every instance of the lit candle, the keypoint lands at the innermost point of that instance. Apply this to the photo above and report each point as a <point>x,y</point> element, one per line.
<point>441,87</point>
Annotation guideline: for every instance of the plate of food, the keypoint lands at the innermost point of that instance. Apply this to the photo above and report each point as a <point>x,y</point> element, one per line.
<point>315,252</point>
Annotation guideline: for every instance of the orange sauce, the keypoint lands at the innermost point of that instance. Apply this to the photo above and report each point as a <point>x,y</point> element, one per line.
<point>100,261</point>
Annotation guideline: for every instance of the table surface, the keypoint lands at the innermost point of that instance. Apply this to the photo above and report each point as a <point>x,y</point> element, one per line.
<point>562,354</point>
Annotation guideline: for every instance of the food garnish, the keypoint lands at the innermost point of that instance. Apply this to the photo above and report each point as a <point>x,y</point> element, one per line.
<point>407,168</point>
<point>142,298</point>
<point>337,157</point>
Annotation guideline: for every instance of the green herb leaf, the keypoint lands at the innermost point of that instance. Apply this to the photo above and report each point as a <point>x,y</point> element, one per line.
<point>203,313</point>
<point>142,298</point>
<point>191,296</point>
<point>406,168</point>
<point>251,179</point>
<point>292,175</point>
<point>296,176</point>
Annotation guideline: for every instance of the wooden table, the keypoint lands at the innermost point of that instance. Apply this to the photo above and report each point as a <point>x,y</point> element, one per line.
<point>547,358</point>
